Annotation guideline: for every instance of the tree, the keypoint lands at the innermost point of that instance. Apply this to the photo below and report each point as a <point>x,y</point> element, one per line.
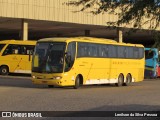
<point>138,12</point>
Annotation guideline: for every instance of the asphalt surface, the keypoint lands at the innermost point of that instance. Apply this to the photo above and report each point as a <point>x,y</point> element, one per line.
<point>17,93</point>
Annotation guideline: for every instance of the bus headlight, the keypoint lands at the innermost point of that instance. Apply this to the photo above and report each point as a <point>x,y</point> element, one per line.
<point>57,77</point>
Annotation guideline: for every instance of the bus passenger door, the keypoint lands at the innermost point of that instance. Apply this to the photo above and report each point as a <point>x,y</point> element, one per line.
<point>28,50</point>
<point>69,62</point>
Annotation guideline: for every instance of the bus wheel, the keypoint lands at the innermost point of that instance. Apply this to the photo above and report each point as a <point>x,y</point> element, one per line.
<point>4,70</point>
<point>51,86</point>
<point>77,83</point>
<point>128,80</point>
<point>120,80</point>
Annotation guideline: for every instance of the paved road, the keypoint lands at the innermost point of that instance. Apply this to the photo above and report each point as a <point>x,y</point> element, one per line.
<point>19,94</point>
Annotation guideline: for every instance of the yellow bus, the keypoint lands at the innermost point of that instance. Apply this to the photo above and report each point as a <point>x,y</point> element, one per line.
<point>85,60</point>
<point>16,56</point>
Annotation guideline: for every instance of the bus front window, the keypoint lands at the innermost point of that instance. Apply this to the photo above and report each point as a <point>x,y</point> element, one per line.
<point>1,46</point>
<point>48,57</point>
<point>149,54</point>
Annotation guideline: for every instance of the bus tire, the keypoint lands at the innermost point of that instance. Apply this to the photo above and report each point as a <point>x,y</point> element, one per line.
<point>77,83</point>
<point>128,80</point>
<point>51,86</point>
<point>4,70</point>
<point>120,80</point>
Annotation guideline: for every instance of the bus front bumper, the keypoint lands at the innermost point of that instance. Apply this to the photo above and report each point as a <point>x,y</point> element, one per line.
<point>47,82</point>
<point>54,80</point>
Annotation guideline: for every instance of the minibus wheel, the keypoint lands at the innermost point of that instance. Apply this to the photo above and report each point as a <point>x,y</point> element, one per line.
<point>77,83</point>
<point>128,80</point>
<point>4,70</point>
<point>120,80</point>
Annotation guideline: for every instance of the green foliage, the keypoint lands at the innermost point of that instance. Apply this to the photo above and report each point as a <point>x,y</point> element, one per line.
<point>129,11</point>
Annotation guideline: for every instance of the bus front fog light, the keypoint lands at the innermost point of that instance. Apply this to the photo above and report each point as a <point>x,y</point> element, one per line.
<point>57,78</point>
<point>34,77</point>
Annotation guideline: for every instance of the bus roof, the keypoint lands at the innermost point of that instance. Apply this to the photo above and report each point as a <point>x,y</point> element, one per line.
<point>86,39</point>
<point>21,42</point>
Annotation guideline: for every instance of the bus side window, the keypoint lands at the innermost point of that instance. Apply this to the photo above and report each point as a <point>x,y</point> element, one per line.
<point>92,50</point>
<point>112,51</point>
<point>23,50</point>
<point>70,53</point>
<point>16,49</point>
<point>8,50</point>
<point>29,50</point>
<point>129,53</point>
<point>13,49</point>
<point>121,52</point>
<point>141,52</point>
<point>82,50</point>
<point>136,53</point>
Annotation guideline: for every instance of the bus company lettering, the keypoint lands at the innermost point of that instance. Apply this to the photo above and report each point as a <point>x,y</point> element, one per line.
<point>14,114</point>
<point>34,115</point>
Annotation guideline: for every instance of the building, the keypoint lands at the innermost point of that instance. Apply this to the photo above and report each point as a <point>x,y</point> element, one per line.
<point>34,19</point>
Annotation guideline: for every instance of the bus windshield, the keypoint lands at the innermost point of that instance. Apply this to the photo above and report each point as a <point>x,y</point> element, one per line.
<point>49,57</point>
